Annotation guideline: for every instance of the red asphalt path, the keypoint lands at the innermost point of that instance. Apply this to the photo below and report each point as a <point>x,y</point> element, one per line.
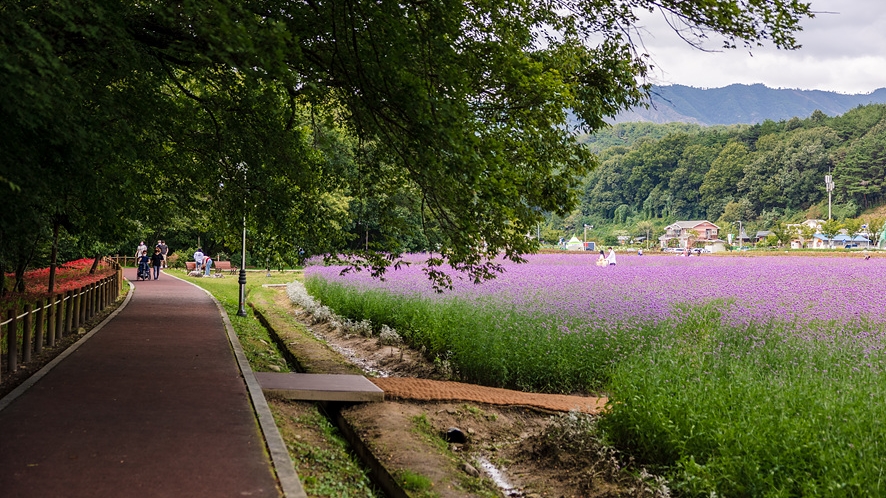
<point>151,405</point>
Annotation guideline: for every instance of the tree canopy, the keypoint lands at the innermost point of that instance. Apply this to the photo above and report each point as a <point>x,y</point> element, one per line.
<point>335,127</point>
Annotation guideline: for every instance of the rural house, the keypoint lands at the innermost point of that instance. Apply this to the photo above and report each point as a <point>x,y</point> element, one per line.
<point>688,233</point>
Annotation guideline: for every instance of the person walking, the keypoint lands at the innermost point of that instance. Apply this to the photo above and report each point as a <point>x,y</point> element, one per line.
<point>164,250</point>
<point>156,262</point>
<point>142,248</point>
<point>198,258</point>
<point>207,265</point>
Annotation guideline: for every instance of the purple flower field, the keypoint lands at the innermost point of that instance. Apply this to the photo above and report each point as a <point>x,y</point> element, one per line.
<point>756,289</point>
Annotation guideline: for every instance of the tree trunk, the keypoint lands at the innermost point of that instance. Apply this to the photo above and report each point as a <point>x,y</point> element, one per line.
<point>19,285</point>
<point>2,278</point>
<point>53,258</point>
<point>98,258</point>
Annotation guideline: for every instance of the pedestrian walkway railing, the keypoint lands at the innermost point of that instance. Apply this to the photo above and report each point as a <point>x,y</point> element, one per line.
<point>45,322</point>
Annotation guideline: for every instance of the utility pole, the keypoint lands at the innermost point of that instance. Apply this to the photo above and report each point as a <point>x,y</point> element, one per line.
<point>829,186</point>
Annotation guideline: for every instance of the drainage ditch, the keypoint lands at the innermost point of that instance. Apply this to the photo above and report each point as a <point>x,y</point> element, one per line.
<point>378,474</point>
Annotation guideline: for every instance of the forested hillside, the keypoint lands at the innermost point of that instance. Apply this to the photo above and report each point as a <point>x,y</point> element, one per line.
<point>759,174</point>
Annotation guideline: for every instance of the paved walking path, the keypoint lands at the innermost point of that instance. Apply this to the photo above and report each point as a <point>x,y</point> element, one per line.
<point>151,405</point>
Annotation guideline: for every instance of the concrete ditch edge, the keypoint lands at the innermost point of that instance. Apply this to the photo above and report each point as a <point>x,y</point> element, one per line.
<point>378,473</point>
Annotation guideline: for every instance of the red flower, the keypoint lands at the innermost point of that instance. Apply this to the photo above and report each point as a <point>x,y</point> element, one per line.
<point>68,276</point>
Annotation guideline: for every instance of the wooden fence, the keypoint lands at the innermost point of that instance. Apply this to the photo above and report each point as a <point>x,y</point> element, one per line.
<point>125,261</point>
<point>43,323</point>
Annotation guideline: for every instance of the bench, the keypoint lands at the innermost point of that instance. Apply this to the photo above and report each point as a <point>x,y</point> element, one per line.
<point>218,266</point>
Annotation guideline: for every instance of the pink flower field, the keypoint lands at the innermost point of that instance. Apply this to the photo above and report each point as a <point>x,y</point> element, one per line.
<point>796,289</point>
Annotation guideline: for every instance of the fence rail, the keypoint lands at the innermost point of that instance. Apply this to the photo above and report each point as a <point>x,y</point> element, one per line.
<point>124,261</point>
<point>45,322</point>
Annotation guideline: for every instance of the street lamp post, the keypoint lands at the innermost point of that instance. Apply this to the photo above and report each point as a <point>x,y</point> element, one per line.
<point>740,231</point>
<point>241,311</point>
<point>242,280</point>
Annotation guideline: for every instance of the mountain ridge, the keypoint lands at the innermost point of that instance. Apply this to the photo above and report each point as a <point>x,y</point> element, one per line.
<point>742,104</point>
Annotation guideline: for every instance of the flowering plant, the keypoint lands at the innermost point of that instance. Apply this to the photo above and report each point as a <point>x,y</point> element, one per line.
<point>68,276</point>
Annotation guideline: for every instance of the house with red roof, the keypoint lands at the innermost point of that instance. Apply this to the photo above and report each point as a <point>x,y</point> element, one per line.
<point>688,233</point>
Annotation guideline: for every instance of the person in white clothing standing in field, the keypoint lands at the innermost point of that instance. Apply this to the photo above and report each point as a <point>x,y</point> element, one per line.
<point>611,257</point>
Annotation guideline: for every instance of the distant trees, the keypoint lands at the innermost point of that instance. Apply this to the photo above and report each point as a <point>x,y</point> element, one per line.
<point>759,174</point>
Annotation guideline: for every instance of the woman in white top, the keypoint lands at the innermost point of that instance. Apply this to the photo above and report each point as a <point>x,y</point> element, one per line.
<point>611,257</point>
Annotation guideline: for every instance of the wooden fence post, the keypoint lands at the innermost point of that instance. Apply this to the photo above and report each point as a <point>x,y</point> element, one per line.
<point>70,311</point>
<point>79,309</point>
<point>87,303</point>
<point>41,321</point>
<point>94,300</point>
<point>90,302</point>
<point>27,334</point>
<point>60,318</point>
<point>12,341</point>
<point>50,321</point>
<point>87,294</point>
<point>103,302</point>
<point>75,312</point>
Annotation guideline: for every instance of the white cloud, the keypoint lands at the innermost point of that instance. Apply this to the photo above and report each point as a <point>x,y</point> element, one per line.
<point>843,50</point>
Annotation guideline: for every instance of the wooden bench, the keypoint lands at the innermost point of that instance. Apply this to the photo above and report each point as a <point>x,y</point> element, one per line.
<point>218,266</point>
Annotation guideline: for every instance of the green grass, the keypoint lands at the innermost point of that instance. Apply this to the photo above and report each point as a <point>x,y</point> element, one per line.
<point>756,413</point>
<point>423,427</point>
<point>489,345</point>
<point>418,484</point>
<point>333,472</point>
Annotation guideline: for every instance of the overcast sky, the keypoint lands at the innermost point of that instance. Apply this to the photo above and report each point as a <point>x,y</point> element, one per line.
<point>843,50</point>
